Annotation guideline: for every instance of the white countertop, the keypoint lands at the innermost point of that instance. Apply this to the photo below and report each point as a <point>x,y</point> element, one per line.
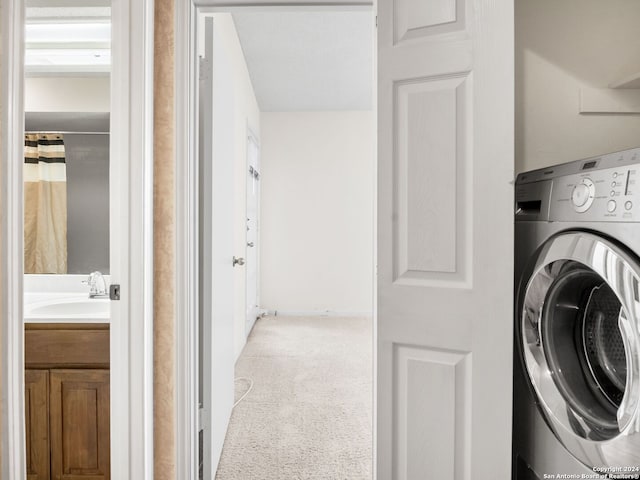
<point>62,299</point>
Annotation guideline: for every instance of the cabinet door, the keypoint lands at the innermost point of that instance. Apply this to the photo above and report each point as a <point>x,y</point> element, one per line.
<point>36,410</point>
<point>79,413</point>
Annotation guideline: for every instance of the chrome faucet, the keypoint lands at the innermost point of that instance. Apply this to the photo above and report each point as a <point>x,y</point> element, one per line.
<point>97,285</point>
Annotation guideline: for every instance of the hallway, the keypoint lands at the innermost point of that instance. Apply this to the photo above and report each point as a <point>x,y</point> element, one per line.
<point>308,415</point>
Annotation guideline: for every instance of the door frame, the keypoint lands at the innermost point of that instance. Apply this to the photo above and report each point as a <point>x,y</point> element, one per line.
<point>186,208</point>
<point>132,205</point>
<point>252,138</point>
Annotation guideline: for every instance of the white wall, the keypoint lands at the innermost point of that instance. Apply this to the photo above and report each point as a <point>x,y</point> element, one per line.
<point>560,47</point>
<point>246,116</point>
<point>317,211</point>
<point>67,94</point>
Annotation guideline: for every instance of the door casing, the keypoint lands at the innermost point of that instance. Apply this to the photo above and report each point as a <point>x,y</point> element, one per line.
<point>252,255</point>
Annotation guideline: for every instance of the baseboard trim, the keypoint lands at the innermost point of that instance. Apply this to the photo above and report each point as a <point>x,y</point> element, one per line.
<point>316,313</point>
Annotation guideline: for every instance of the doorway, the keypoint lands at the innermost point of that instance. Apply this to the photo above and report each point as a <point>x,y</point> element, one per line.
<point>124,410</point>
<point>304,161</point>
<point>443,193</point>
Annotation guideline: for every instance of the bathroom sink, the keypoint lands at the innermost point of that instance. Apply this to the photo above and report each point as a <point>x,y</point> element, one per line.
<point>70,308</point>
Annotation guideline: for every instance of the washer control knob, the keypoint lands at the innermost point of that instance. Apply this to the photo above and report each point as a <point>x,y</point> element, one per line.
<point>611,206</point>
<point>582,195</point>
<point>628,205</point>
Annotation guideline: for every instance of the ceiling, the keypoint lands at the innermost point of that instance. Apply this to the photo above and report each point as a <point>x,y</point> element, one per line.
<point>67,37</point>
<point>304,61</point>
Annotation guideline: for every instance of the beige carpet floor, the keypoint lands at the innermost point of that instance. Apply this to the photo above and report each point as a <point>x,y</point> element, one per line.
<point>309,414</point>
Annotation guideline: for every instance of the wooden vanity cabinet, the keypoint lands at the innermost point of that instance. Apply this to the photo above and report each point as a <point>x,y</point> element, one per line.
<point>67,415</point>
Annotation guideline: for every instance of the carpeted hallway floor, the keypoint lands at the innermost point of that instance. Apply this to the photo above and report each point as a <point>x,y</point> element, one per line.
<point>309,413</point>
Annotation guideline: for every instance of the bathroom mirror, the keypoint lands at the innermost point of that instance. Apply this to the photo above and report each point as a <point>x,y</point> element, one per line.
<point>66,171</point>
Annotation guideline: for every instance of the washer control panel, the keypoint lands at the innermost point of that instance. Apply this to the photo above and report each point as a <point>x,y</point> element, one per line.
<point>610,194</point>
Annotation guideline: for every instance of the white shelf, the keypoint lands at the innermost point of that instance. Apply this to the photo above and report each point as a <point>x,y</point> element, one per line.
<point>632,81</point>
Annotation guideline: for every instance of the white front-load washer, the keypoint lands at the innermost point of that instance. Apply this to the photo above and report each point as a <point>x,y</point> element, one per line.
<point>577,315</point>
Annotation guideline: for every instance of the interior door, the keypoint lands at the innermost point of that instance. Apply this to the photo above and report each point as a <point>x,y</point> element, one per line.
<point>253,230</point>
<point>445,239</point>
<point>216,244</point>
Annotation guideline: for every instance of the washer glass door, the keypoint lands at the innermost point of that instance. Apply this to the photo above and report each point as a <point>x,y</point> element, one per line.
<point>579,329</point>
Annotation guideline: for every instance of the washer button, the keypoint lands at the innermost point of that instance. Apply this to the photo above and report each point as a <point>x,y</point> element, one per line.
<point>615,174</point>
<point>611,206</point>
<point>613,184</point>
<point>628,205</point>
<point>612,193</point>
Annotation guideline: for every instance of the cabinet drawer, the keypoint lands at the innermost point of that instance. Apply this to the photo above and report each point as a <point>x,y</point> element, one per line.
<point>66,345</point>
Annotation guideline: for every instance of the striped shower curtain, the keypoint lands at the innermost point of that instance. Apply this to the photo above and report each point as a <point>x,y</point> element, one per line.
<point>45,204</point>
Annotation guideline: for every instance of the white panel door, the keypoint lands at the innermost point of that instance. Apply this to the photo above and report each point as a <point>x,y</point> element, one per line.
<point>445,239</point>
<point>216,120</point>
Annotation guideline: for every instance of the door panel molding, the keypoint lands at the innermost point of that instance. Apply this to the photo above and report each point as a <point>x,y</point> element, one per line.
<point>431,145</point>
<point>414,19</point>
<point>433,394</point>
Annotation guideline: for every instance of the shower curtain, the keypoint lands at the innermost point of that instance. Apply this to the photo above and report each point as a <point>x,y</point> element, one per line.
<point>45,204</point>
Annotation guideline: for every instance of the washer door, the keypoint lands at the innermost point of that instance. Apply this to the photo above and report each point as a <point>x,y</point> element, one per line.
<point>580,335</point>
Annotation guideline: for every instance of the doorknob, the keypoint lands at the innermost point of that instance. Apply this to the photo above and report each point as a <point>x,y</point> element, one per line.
<point>238,261</point>
<point>250,244</point>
